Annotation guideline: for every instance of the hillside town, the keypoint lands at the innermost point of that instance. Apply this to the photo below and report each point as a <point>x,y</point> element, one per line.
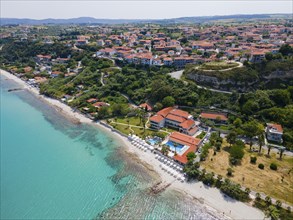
<point>121,76</point>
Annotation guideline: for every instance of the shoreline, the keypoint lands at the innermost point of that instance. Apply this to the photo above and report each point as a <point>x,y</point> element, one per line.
<point>211,198</point>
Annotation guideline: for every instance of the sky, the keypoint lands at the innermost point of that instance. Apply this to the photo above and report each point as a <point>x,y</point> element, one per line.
<point>138,9</point>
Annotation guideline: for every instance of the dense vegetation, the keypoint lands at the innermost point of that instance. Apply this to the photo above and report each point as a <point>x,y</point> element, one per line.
<point>153,84</point>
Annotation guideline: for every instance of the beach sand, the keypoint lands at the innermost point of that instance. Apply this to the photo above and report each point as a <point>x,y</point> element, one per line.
<point>212,198</point>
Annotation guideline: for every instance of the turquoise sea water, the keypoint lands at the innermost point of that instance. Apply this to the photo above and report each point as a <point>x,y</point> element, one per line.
<point>52,168</point>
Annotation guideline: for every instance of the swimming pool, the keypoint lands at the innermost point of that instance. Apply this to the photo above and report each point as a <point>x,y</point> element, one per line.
<point>179,147</point>
<point>153,141</point>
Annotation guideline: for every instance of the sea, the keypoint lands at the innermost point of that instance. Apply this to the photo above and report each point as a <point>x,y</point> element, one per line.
<point>55,168</point>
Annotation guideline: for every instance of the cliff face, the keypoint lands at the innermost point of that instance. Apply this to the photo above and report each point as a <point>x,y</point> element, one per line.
<point>280,75</point>
<point>229,84</point>
<point>224,84</point>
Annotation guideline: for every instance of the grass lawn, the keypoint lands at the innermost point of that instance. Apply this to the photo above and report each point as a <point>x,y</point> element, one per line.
<point>249,175</point>
<point>218,65</point>
<point>132,120</point>
<point>138,131</point>
<point>222,127</point>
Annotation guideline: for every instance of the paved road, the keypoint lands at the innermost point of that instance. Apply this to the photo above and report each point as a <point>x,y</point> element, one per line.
<point>178,74</point>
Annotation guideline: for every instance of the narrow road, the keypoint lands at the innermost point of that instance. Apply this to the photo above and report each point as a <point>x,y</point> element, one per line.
<point>178,74</point>
<point>129,100</point>
<point>102,79</point>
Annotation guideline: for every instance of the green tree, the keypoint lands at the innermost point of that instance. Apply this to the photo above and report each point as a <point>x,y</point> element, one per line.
<point>281,149</point>
<point>165,150</point>
<point>231,137</point>
<point>236,154</point>
<point>273,212</point>
<point>190,156</point>
<point>260,141</point>
<point>269,149</point>
<point>230,171</point>
<point>237,123</point>
<point>251,129</point>
<point>168,101</point>
<point>286,49</point>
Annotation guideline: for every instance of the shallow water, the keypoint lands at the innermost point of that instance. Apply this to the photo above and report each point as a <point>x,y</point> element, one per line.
<point>52,168</point>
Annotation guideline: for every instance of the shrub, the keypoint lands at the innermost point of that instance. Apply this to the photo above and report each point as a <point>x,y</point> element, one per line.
<point>230,171</point>
<point>261,166</point>
<point>253,160</point>
<point>236,154</point>
<point>273,166</point>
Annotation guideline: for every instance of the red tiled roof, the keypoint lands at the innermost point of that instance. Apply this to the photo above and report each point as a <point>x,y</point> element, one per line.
<point>183,158</point>
<point>100,104</point>
<point>180,113</point>
<point>277,127</point>
<point>187,124</point>
<point>164,112</point>
<point>143,105</point>
<point>175,118</point>
<point>193,130</point>
<point>156,118</point>
<point>91,100</point>
<point>184,139</point>
<point>213,116</point>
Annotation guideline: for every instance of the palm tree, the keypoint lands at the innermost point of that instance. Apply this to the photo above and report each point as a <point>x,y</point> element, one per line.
<point>219,180</point>
<point>268,199</point>
<point>278,204</point>
<point>269,149</point>
<point>175,146</point>
<point>165,150</point>
<point>143,124</point>
<point>257,196</point>
<point>247,190</point>
<point>282,149</point>
<point>260,141</point>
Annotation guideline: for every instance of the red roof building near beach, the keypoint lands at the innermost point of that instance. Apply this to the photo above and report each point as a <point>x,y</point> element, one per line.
<point>175,118</point>
<point>157,118</point>
<point>187,124</point>
<point>185,140</point>
<point>92,100</point>
<point>276,127</point>
<point>213,116</point>
<point>164,112</point>
<point>146,105</point>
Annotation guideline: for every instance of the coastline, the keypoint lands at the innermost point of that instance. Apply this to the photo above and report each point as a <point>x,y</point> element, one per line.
<point>213,199</point>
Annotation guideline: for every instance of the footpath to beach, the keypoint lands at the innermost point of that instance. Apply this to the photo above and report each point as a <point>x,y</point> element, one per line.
<point>212,198</point>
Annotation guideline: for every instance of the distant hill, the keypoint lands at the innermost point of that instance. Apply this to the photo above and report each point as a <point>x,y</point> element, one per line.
<point>90,20</point>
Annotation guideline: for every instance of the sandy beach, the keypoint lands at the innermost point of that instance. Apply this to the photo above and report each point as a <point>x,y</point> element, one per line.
<point>213,199</point>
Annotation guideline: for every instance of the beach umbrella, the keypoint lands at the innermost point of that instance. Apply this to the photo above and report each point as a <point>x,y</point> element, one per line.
<point>182,178</point>
<point>168,162</point>
<point>156,156</point>
<point>165,160</point>
<point>145,149</point>
<point>151,148</point>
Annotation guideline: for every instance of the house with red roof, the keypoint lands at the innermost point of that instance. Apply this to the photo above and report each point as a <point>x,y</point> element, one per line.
<point>190,145</point>
<point>174,118</point>
<point>100,104</point>
<point>146,106</point>
<point>218,118</point>
<point>274,132</point>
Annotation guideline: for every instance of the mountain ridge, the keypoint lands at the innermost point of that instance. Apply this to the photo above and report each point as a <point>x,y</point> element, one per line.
<point>91,20</point>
